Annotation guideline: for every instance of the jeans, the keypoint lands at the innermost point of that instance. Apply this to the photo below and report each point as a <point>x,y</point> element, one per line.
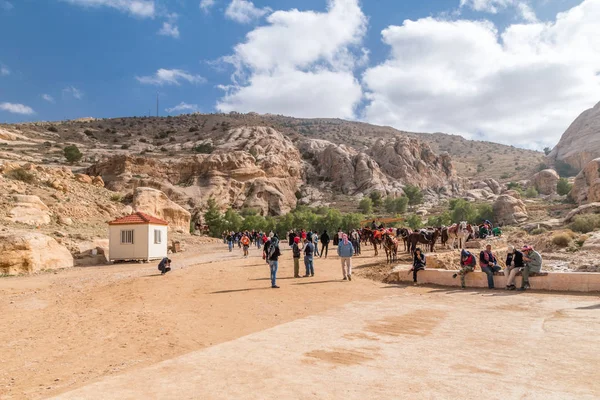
<point>273,265</point>
<point>230,244</point>
<point>325,248</point>
<point>317,250</point>
<point>164,270</point>
<point>308,263</point>
<point>347,266</point>
<point>489,271</point>
<point>415,270</point>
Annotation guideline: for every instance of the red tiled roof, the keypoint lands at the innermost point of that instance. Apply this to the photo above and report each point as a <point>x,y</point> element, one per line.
<point>138,218</point>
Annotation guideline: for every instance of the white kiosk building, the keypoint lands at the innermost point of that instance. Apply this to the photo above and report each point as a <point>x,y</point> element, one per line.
<point>137,236</point>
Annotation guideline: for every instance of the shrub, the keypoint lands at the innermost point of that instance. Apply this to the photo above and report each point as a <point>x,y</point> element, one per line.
<point>194,129</point>
<point>563,187</point>
<point>116,197</point>
<point>561,239</point>
<point>366,205</point>
<point>565,170</point>
<point>204,148</point>
<point>124,146</point>
<point>375,198</point>
<point>541,167</point>
<point>538,231</point>
<point>72,153</point>
<point>52,128</point>
<point>585,223</point>
<point>143,140</point>
<point>19,174</point>
<point>414,221</point>
<point>531,193</point>
<point>88,133</point>
<point>414,194</point>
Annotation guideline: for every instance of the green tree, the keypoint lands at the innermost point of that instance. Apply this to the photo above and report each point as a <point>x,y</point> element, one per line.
<point>464,211</point>
<point>389,203</point>
<point>214,219</point>
<point>366,205</point>
<point>331,220</point>
<point>414,221</point>
<point>351,221</point>
<point>414,194</point>
<point>72,153</point>
<point>254,222</point>
<point>565,170</point>
<point>443,219</point>
<point>375,198</point>
<point>484,212</point>
<point>401,203</point>
<point>547,150</point>
<point>232,220</point>
<point>531,193</point>
<point>563,187</point>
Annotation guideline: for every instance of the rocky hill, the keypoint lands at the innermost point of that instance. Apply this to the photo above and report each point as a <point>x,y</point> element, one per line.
<point>580,143</point>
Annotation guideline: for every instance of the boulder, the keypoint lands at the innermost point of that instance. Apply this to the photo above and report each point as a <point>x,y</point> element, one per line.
<point>62,220</point>
<point>545,181</point>
<point>83,178</point>
<point>156,203</point>
<point>97,181</point>
<point>586,188</point>
<point>591,208</point>
<point>509,210</point>
<point>422,212</point>
<point>580,143</point>
<point>513,193</point>
<point>30,252</point>
<point>29,210</point>
<point>592,243</point>
<point>473,244</point>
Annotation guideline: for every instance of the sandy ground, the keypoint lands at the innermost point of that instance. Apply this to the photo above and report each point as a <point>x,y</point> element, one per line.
<point>224,333</point>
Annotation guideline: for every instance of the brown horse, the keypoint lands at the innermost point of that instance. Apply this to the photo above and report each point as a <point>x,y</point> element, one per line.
<point>404,233</point>
<point>390,244</point>
<point>424,238</point>
<point>373,238</point>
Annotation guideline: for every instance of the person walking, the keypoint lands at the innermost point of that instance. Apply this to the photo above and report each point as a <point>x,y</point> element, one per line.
<point>489,264</point>
<point>418,263</point>
<point>533,263</point>
<point>296,252</point>
<point>346,251</point>
<point>229,239</point>
<point>315,240</point>
<point>355,239</point>
<point>514,265</point>
<point>325,243</point>
<point>164,265</point>
<point>309,251</point>
<point>273,254</point>
<point>245,240</point>
<point>467,264</point>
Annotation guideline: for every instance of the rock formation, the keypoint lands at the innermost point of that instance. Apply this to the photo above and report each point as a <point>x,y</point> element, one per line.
<point>30,252</point>
<point>545,181</point>
<point>29,210</point>
<point>156,203</point>
<point>509,210</point>
<point>590,208</point>
<point>580,143</point>
<point>586,188</point>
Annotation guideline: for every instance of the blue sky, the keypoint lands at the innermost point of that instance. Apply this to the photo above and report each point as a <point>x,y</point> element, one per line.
<point>492,69</point>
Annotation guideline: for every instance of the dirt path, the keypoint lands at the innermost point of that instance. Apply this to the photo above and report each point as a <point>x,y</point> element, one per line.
<point>62,331</point>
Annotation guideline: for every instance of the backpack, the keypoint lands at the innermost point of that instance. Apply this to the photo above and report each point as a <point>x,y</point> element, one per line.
<point>271,251</point>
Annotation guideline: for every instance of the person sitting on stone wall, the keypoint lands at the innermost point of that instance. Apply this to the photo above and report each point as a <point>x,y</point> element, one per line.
<point>533,263</point>
<point>467,264</point>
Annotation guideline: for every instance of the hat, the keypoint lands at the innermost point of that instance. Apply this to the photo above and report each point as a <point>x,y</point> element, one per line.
<point>527,248</point>
<point>464,253</point>
<point>296,239</point>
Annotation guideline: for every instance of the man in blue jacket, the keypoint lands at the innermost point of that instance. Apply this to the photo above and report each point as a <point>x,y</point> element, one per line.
<point>346,251</point>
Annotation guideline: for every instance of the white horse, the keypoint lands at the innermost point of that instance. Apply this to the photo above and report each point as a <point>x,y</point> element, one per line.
<point>458,232</point>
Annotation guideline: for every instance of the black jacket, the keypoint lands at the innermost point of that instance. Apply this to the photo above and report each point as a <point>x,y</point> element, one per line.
<point>325,238</point>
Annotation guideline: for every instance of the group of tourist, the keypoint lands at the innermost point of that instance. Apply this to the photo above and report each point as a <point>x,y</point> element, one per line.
<point>524,261</point>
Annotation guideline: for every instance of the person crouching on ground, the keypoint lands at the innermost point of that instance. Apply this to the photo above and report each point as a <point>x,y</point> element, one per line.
<point>467,264</point>
<point>514,265</point>
<point>533,263</point>
<point>309,253</point>
<point>489,264</point>
<point>296,250</point>
<point>164,266</point>
<point>346,251</point>
<point>418,263</point>
<point>273,254</point>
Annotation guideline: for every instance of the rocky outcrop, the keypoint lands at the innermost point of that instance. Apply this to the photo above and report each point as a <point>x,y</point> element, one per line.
<point>29,210</point>
<point>509,210</point>
<point>591,208</point>
<point>30,252</point>
<point>545,181</point>
<point>488,184</point>
<point>586,188</point>
<point>580,143</point>
<point>156,203</point>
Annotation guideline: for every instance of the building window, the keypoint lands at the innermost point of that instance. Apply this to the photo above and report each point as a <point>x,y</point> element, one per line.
<point>127,237</point>
<point>157,236</point>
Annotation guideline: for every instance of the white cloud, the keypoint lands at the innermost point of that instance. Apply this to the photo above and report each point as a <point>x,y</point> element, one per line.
<point>522,7</point>
<point>170,77</point>
<point>138,8</point>
<point>300,64</point>
<point>527,12</point>
<point>6,5</point>
<point>48,98</point>
<point>169,29</point>
<point>206,5</point>
<point>182,107</point>
<point>16,108</point>
<point>522,86</point>
<point>73,91</point>
<point>4,71</point>
<point>244,11</point>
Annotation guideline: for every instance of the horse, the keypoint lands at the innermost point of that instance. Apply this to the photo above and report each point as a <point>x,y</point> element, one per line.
<point>404,233</point>
<point>390,244</point>
<point>424,238</point>
<point>458,232</point>
<point>444,236</point>
<point>373,238</point>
